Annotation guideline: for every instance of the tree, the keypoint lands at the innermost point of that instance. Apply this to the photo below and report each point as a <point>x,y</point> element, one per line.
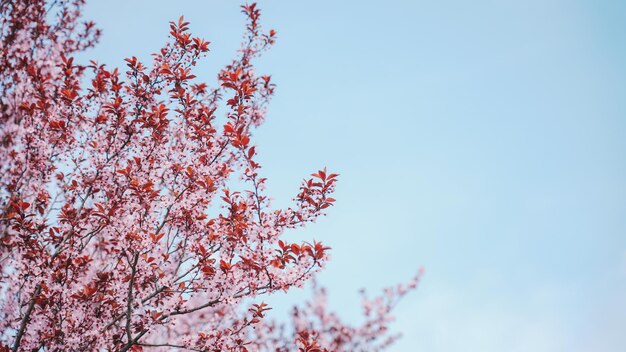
<point>111,238</point>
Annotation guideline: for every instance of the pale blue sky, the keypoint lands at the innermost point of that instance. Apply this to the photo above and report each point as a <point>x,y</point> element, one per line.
<point>481,139</point>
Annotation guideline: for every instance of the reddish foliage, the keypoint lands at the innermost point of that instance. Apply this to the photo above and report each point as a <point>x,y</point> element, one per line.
<point>106,181</point>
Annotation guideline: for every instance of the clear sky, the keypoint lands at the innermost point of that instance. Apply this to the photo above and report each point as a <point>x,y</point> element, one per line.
<point>483,140</point>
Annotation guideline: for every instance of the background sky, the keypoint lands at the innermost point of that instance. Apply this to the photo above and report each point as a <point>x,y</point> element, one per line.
<point>483,140</point>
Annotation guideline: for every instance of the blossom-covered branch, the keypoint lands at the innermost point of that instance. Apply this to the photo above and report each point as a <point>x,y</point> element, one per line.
<point>120,229</point>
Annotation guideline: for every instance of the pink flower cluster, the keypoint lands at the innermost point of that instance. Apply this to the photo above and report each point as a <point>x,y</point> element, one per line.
<point>119,229</point>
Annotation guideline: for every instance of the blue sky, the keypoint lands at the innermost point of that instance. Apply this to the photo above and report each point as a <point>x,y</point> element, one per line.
<point>483,140</point>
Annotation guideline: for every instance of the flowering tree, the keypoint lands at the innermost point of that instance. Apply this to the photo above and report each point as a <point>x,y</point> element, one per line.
<point>118,230</point>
